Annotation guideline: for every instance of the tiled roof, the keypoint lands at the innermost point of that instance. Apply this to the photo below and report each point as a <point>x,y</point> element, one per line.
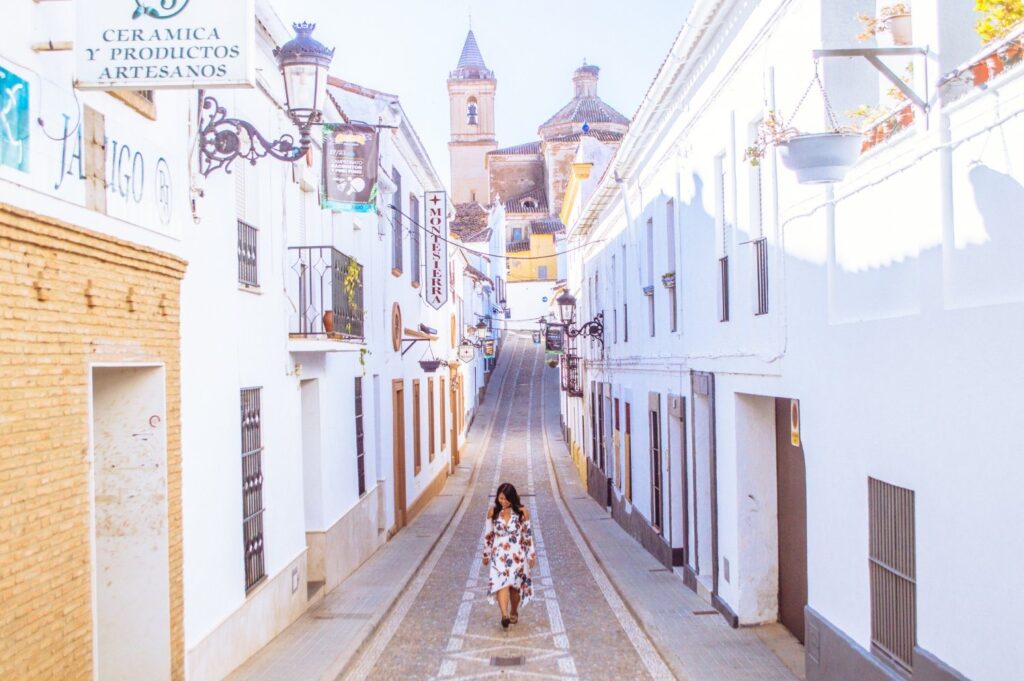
<point>478,275</point>
<point>471,62</point>
<point>586,110</point>
<point>599,135</point>
<point>528,148</point>
<point>549,226</point>
<point>517,246</point>
<point>470,220</point>
<point>517,204</point>
<point>481,236</point>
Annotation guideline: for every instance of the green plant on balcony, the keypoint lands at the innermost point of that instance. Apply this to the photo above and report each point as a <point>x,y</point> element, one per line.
<point>351,284</point>
<point>999,18</point>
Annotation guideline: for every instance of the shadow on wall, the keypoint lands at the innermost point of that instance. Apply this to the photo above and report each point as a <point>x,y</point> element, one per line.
<point>987,268</point>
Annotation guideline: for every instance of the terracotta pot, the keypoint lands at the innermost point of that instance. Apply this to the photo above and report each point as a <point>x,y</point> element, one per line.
<point>1014,52</point>
<point>906,116</point>
<point>980,73</point>
<point>901,29</point>
<point>329,321</point>
<point>995,65</point>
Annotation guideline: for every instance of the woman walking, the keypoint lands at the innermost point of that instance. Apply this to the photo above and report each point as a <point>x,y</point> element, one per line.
<point>508,549</point>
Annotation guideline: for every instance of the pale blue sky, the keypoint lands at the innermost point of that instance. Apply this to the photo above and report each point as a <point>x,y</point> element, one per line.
<point>407,47</point>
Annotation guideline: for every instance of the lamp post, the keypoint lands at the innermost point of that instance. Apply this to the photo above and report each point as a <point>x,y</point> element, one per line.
<point>567,310</point>
<point>304,64</point>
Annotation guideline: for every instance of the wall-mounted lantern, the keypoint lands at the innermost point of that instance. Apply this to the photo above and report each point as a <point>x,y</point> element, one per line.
<point>304,64</point>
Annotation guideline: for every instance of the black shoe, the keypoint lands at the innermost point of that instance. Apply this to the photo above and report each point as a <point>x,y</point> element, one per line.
<point>504,622</point>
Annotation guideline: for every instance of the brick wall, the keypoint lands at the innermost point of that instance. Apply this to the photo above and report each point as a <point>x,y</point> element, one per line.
<point>68,298</point>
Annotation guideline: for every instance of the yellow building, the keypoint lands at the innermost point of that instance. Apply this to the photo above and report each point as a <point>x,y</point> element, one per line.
<point>90,452</point>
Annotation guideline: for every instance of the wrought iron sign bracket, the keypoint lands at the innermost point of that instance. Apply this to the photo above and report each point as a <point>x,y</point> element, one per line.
<point>223,139</point>
<point>872,54</point>
<point>593,329</point>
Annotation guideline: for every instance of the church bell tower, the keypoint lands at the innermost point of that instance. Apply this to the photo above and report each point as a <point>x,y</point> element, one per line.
<point>471,88</point>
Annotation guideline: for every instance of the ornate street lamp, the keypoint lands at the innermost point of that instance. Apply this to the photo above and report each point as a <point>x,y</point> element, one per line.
<point>567,310</point>
<point>304,63</point>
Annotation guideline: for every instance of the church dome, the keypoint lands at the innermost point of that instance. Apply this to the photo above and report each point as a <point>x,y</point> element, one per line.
<point>585,107</point>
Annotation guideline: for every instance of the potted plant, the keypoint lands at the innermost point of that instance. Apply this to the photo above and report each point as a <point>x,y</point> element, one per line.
<point>894,19</point>
<point>815,157</point>
<point>772,132</point>
<point>669,279</point>
<point>551,362</point>
<point>329,322</point>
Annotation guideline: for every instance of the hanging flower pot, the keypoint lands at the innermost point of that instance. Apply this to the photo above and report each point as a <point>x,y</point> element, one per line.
<point>430,365</point>
<point>899,27</point>
<point>1014,52</point>
<point>821,157</point>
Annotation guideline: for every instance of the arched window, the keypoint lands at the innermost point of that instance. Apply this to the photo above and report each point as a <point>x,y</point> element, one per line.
<point>529,204</point>
<point>471,112</point>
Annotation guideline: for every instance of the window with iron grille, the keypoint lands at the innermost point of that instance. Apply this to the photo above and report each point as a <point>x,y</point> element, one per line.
<point>600,426</point>
<point>417,447</point>
<point>252,487</point>
<point>656,484</point>
<point>625,323</point>
<point>360,442</point>
<point>415,239</point>
<point>593,421</point>
<point>431,448</point>
<point>723,289</point>
<point>396,224</point>
<point>893,565</point>
<point>761,260</point>
<point>248,271</point>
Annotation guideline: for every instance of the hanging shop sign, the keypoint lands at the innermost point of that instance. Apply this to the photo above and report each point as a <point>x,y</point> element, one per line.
<point>554,340</point>
<point>350,168</point>
<point>436,246</point>
<point>489,348</point>
<point>14,121</point>
<point>164,44</point>
<point>467,353</point>
<point>536,337</point>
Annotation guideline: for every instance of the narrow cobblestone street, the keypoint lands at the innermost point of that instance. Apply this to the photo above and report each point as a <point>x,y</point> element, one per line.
<point>577,625</point>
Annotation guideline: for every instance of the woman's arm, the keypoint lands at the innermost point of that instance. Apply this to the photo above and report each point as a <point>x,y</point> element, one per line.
<point>488,538</point>
<point>527,539</point>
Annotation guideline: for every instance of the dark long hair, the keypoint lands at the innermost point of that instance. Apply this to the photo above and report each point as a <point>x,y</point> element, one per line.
<point>512,495</point>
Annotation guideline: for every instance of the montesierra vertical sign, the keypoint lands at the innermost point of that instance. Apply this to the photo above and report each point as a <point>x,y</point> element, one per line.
<point>163,44</point>
<point>436,245</point>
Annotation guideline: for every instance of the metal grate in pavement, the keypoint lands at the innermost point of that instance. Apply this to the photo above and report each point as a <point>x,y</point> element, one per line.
<point>498,661</point>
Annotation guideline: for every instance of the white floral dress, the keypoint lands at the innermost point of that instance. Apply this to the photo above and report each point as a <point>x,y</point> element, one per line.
<point>508,548</point>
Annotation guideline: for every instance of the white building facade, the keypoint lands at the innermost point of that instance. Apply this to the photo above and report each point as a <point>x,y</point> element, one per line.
<point>313,425</point>
<point>794,378</point>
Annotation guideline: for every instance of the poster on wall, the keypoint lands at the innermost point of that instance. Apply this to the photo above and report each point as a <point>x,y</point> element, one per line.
<point>164,44</point>
<point>14,121</point>
<point>436,245</point>
<point>350,168</point>
<point>554,340</point>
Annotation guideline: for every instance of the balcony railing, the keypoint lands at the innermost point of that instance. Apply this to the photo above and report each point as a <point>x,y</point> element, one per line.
<point>326,288</point>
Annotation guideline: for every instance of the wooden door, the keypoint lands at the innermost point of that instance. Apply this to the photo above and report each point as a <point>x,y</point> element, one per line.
<point>791,477</point>
<point>398,447</point>
<point>456,382</point>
